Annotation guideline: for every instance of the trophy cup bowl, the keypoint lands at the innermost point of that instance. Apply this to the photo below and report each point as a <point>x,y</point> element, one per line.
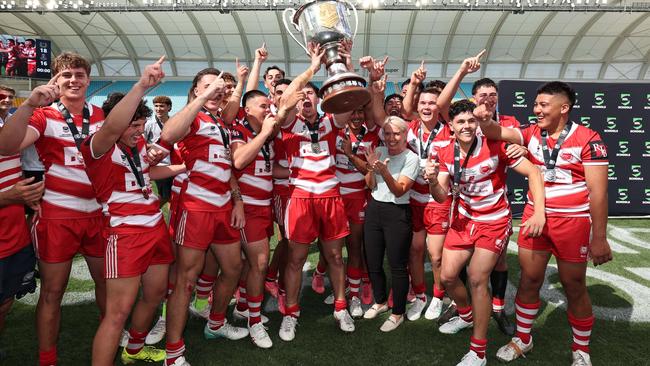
<point>326,22</point>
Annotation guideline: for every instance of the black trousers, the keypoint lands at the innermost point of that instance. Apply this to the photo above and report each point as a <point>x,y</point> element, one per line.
<point>387,229</point>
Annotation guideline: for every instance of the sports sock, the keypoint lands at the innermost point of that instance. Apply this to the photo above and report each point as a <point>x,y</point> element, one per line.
<point>47,358</point>
<point>438,293</point>
<point>354,279</point>
<point>466,313</point>
<point>478,345</point>
<point>254,309</point>
<point>340,304</point>
<point>271,275</point>
<point>499,283</point>
<point>293,310</point>
<point>216,321</point>
<point>174,351</point>
<point>321,268</point>
<point>242,303</point>
<point>581,329</point>
<point>525,316</point>
<point>136,341</point>
<point>204,286</point>
<point>418,290</point>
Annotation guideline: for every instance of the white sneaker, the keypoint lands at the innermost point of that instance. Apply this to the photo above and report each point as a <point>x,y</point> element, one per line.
<point>345,321</point>
<point>180,362</point>
<point>515,349</point>
<point>329,300</point>
<point>243,315</point>
<point>124,338</point>
<point>355,307</point>
<point>434,310</point>
<point>157,333</point>
<point>375,310</point>
<point>455,325</point>
<point>226,331</point>
<point>580,358</point>
<point>259,336</point>
<point>415,311</point>
<point>204,313</point>
<point>288,328</point>
<point>472,359</point>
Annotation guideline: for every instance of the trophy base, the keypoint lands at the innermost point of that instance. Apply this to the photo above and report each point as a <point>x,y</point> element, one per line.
<point>344,93</point>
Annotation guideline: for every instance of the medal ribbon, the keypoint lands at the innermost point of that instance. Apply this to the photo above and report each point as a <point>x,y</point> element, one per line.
<point>224,136</point>
<point>85,125</point>
<point>550,159</point>
<point>266,149</point>
<point>359,136</point>
<point>432,135</point>
<point>458,171</point>
<point>136,167</point>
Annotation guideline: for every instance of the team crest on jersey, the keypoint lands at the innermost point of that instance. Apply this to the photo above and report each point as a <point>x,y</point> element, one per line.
<point>568,157</point>
<point>598,150</point>
<point>485,169</point>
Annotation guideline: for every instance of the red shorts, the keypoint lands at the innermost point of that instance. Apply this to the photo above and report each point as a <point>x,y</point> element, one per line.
<point>199,229</point>
<point>466,234</point>
<point>259,224</point>
<point>58,240</point>
<point>31,68</point>
<point>279,208</point>
<point>307,219</point>
<point>355,209</point>
<point>433,219</point>
<point>567,238</point>
<point>131,254</point>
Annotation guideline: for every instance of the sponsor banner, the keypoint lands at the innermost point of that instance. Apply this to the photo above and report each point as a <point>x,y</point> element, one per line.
<point>619,113</point>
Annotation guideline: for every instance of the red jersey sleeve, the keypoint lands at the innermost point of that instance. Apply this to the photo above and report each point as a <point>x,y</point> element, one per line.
<point>237,135</point>
<point>594,151</point>
<point>38,121</point>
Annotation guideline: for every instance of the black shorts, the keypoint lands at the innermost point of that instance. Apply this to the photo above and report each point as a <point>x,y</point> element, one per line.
<point>17,274</point>
<point>164,188</point>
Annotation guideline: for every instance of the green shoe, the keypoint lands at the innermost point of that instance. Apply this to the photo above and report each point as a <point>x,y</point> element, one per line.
<point>146,354</point>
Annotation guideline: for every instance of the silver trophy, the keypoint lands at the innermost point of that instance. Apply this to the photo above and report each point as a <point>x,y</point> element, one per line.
<point>326,23</point>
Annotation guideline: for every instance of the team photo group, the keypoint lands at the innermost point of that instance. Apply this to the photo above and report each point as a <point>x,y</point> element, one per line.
<point>177,215</point>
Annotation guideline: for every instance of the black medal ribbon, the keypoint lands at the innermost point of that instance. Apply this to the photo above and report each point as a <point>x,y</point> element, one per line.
<point>266,148</point>
<point>136,167</point>
<point>224,135</point>
<point>159,123</point>
<point>359,136</point>
<point>432,135</point>
<point>313,133</point>
<point>458,171</point>
<point>550,158</point>
<point>85,125</point>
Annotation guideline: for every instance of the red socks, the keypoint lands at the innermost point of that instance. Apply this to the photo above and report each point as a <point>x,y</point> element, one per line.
<point>525,314</point>
<point>478,345</point>
<point>47,358</point>
<point>581,329</point>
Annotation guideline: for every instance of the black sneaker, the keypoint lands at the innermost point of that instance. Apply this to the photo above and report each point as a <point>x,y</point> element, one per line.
<point>503,323</point>
<point>449,313</point>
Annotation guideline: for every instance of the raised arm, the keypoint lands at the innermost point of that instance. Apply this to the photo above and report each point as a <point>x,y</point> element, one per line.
<point>417,78</point>
<point>121,116</point>
<point>229,113</point>
<point>15,135</point>
<point>260,56</point>
<point>179,125</point>
<point>493,130</point>
<point>468,66</point>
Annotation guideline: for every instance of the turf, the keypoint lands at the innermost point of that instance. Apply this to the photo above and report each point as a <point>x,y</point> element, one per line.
<point>319,342</point>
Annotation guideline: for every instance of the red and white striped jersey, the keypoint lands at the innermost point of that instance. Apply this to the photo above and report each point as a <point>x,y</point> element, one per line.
<point>418,141</point>
<point>483,181</point>
<point>280,185</point>
<point>30,54</point>
<point>567,195</point>
<point>255,180</point>
<point>14,234</point>
<point>68,192</point>
<point>208,164</point>
<point>313,171</point>
<point>353,183</point>
<point>117,188</point>
<point>177,157</point>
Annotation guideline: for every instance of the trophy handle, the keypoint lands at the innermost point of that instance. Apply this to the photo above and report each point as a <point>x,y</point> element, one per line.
<point>292,11</point>
<point>356,17</point>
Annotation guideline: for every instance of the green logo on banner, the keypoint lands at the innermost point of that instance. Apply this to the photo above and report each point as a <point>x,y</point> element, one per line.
<point>625,99</point>
<point>646,196</point>
<point>610,170</point>
<point>518,194</point>
<point>622,194</point>
<point>585,121</point>
<point>647,148</point>
<point>611,123</point>
<point>636,170</point>
<point>532,119</point>
<point>599,98</point>
<point>520,98</point>
<point>637,123</point>
<point>623,147</point>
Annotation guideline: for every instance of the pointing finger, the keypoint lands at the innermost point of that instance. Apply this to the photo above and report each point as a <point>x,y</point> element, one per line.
<point>385,60</point>
<point>161,60</point>
<point>54,79</point>
<point>264,45</point>
<point>480,54</point>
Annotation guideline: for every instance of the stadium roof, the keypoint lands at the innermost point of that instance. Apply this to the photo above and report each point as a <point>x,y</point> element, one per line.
<point>522,41</point>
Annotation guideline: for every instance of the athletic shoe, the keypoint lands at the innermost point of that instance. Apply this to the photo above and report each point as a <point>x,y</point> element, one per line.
<point>157,333</point>
<point>366,293</point>
<point>124,338</point>
<point>288,328</point>
<point>450,312</point>
<point>391,324</point>
<point>581,358</point>
<point>271,287</point>
<point>472,359</point>
<point>344,320</point>
<point>199,313</point>
<point>355,307</point>
<point>515,349</point>
<point>259,336</point>
<point>329,300</point>
<point>415,311</point>
<point>455,325</point>
<point>180,362</point>
<point>434,310</point>
<point>375,310</point>
<point>503,323</point>
<point>318,283</point>
<point>410,297</point>
<point>243,315</point>
<point>146,354</point>
<point>226,331</point>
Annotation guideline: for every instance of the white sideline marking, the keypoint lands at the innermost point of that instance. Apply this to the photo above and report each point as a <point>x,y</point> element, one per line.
<point>643,272</point>
<point>626,236</point>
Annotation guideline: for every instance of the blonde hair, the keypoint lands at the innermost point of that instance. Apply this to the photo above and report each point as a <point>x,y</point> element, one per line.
<point>396,122</point>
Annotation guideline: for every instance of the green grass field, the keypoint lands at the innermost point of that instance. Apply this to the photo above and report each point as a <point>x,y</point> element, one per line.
<point>619,290</point>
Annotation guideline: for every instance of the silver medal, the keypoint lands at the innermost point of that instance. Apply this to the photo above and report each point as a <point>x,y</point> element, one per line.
<point>550,176</point>
<point>315,148</point>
